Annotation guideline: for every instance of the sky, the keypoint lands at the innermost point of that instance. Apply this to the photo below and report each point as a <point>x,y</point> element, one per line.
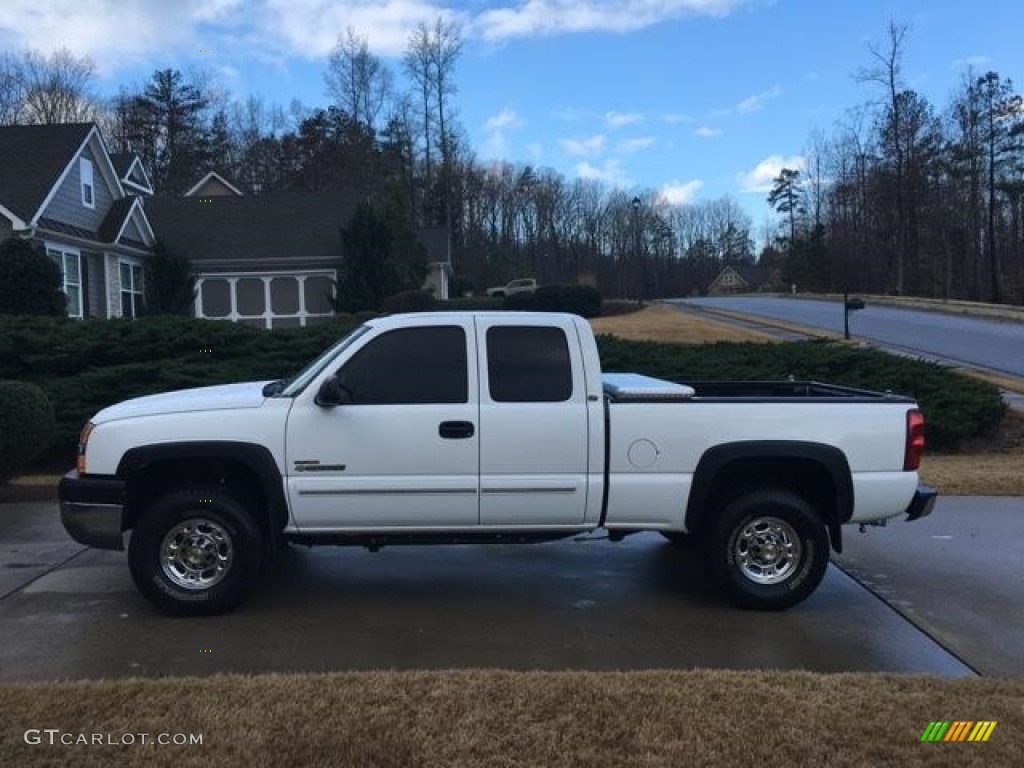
<point>695,99</point>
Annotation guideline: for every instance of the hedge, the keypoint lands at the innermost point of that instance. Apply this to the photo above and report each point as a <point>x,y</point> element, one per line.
<point>26,426</point>
<point>86,365</point>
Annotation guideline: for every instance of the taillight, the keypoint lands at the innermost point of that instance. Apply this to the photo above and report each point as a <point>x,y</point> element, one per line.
<point>915,441</point>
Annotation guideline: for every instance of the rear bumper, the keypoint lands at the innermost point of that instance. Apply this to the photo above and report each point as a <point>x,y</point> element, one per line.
<point>92,509</point>
<point>922,503</point>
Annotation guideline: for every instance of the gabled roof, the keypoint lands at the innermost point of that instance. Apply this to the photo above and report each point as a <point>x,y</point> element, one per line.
<point>32,159</point>
<point>117,219</point>
<point>216,177</point>
<point>253,231</point>
<point>131,171</point>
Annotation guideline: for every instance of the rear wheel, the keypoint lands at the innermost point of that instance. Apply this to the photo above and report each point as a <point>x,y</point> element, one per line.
<point>768,550</point>
<point>196,552</point>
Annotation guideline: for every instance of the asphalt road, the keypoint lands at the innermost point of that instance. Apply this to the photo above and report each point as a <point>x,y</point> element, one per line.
<point>638,604</point>
<point>975,341</point>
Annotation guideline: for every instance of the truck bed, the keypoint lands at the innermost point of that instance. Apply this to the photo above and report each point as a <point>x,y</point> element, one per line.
<point>634,388</point>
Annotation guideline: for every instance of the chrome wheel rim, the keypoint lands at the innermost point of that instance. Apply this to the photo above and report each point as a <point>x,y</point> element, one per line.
<point>767,550</point>
<point>196,554</point>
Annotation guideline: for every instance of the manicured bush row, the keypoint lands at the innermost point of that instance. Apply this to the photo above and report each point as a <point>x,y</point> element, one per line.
<point>583,300</point>
<point>26,426</point>
<point>84,366</point>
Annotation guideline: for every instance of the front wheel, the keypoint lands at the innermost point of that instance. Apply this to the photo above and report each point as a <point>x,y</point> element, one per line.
<point>195,552</point>
<point>769,550</point>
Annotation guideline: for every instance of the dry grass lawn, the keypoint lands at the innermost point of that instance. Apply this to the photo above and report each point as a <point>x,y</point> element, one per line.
<point>659,322</point>
<point>491,718</point>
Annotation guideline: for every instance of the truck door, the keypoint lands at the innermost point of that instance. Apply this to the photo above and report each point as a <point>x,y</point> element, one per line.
<point>406,451</point>
<point>533,423</point>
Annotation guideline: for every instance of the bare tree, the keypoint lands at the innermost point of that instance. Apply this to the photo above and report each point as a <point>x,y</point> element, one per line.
<point>10,89</point>
<point>357,81</point>
<point>886,71</point>
<point>55,88</point>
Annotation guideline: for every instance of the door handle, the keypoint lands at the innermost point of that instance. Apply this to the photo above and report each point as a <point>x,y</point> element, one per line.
<point>455,430</point>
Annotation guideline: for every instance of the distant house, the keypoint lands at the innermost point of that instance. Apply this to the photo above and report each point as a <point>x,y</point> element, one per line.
<point>266,260</point>
<point>61,189</point>
<point>213,185</point>
<point>730,280</point>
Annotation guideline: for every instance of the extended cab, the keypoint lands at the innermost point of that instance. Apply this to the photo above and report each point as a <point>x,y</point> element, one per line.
<point>487,427</point>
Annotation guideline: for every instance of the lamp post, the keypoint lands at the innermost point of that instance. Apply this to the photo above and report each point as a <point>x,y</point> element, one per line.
<point>636,244</point>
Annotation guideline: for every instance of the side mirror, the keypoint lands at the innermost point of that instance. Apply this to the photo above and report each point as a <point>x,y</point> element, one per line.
<point>331,393</point>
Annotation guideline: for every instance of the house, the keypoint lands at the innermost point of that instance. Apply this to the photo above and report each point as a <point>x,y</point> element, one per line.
<point>60,188</point>
<point>213,185</point>
<point>729,280</point>
<point>267,260</point>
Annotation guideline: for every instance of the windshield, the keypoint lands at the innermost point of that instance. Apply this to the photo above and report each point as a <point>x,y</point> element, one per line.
<point>299,381</point>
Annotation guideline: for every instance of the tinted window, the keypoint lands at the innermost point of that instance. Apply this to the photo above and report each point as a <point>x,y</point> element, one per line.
<point>411,365</point>
<point>528,365</point>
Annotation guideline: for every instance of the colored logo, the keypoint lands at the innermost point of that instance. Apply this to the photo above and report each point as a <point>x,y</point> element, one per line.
<point>958,730</point>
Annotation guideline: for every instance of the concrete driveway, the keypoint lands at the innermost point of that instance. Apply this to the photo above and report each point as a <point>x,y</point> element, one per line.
<point>68,612</point>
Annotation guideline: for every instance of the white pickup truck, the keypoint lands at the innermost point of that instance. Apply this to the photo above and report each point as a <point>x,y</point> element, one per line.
<point>499,427</point>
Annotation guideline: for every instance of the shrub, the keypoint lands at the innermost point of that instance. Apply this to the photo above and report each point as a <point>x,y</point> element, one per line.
<point>520,302</point>
<point>364,314</point>
<point>31,284</point>
<point>87,365</point>
<point>170,283</point>
<point>583,300</point>
<point>471,303</point>
<point>409,301</point>
<point>26,426</point>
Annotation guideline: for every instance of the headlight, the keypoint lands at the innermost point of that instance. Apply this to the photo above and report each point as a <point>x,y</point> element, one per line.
<point>83,441</point>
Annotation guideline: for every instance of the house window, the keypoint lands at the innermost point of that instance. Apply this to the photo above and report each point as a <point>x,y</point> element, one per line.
<point>85,168</point>
<point>70,265</point>
<point>131,289</point>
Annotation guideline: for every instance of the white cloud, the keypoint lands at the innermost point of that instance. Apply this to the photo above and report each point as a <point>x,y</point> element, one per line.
<point>758,100</point>
<point>620,119</point>
<point>497,127</point>
<point>706,132</point>
<point>638,144</point>
<point>111,32</point>
<point>507,118</point>
<point>310,28</point>
<point>977,61</point>
<point>760,179</point>
<point>673,118</point>
<point>587,146</point>
<point>535,18</point>
<point>679,192</point>
<point>610,172</point>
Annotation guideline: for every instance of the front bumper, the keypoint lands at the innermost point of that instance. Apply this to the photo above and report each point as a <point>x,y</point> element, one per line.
<point>92,509</point>
<point>922,503</point>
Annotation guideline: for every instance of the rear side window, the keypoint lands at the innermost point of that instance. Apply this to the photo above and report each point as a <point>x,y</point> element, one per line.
<point>410,366</point>
<point>528,364</point>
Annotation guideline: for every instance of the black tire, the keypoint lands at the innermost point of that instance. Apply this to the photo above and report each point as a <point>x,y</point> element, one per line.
<point>220,568</point>
<point>768,550</point>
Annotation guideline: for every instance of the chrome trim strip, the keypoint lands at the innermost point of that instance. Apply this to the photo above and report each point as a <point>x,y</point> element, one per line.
<point>319,467</point>
<point>391,492</point>
<point>529,490</point>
